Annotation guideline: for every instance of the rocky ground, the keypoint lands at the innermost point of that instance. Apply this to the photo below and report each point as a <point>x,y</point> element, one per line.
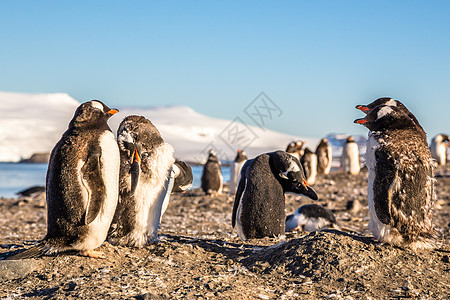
<point>200,256</point>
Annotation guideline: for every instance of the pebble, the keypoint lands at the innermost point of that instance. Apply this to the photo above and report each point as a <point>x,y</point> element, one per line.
<point>12,269</point>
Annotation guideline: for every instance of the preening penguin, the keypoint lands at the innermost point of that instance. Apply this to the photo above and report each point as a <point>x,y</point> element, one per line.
<point>438,148</point>
<point>259,205</point>
<point>81,185</point>
<point>309,164</point>
<point>310,217</point>
<point>145,163</point>
<point>235,170</point>
<point>324,157</point>
<point>350,157</point>
<point>212,179</point>
<point>400,179</point>
<point>295,148</point>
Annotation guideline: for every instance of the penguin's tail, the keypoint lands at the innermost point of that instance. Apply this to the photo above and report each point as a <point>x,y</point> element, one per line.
<point>33,252</point>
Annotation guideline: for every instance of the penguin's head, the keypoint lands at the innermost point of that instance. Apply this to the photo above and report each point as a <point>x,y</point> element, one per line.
<point>290,174</point>
<point>137,137</point>
<point>183,176</point>
<point>240,156</point>
<point>92,114</point>
<point>294,146</point>
<point>380,101</point>
<point>385,117</point>
<point>212,157</point>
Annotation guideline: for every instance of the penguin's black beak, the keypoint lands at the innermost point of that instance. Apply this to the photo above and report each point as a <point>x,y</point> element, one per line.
<point>135,168</point>
<point>308,191</point>
<point>363,108</point>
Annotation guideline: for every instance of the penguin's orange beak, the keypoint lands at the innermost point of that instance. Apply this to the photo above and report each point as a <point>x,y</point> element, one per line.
<point>361,121</point>
<point>135,156</point>
<point>363,108</point>
<point>113,111</point>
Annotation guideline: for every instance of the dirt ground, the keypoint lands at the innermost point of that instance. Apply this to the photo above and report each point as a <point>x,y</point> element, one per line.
<point>199,256</point>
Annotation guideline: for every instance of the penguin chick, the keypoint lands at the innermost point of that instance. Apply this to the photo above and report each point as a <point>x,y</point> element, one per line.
<point>309,163</point>
<point>324,157</point>
<point>295,148</point>
<point>212,179</point>
<point>438,148</point>
<point>310,217</point>
<point>235,170</point>
<point>400,189</point>
<point>81,185</point>
<point>259,205</point>
<point>145,163</point>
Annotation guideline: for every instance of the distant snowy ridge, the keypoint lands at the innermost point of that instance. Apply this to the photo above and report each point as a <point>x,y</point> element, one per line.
<point>33,123</point>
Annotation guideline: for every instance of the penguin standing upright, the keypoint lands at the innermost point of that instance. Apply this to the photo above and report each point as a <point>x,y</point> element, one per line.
<point>235,170</point>
<point>438,148</point>
<point>259,204</point>
<point>145,163</point>
<point>324,157</point>
<point>309,163</point>
<point>81,185</point>
<point>212,179</point>
<point>295,148</point>
<point>400,179</point>
<point>350,157</point>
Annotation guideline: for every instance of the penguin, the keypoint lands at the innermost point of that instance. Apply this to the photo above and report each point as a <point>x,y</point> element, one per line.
<point>388,101</point>
<point>401,180</point>
<point>212,179</point>
<point>81,185</point>
<point>350,157</point>
<point>324,157</point>
<point>235,170</point>
<point>295,148</point>
<point>309,164</point>
<point>145,165</point>
<point>310,217</point>
<point>259,204</point>
<point>438,147</point>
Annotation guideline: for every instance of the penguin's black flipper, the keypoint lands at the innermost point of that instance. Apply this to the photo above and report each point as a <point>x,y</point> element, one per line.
<point>33,252</point>
<point>239,191</point>
<point>384,177</point>
<point>92,179</point>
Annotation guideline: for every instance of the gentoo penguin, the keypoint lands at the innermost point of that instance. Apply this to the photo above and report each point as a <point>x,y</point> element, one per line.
<point>212,179</point>
<point>235,170</point>
<point>259,205</point>
<point>145,163</point>
<point>310,217</point>
<point>81,185</point>
<point>309,164</point>
<point>350,157</point>
<point>391,102</point>
<point>400,179</point>
<point>295,148</point>
<point>438,148</point>
<point>324,157</point>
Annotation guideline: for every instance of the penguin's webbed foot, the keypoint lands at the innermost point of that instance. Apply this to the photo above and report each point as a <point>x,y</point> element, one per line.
<point>92,253</point>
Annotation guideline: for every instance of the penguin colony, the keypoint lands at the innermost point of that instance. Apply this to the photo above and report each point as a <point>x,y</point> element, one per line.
<point>99,187</point>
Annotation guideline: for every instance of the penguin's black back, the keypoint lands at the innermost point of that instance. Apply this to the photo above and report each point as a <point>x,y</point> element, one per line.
<point>317,211</point>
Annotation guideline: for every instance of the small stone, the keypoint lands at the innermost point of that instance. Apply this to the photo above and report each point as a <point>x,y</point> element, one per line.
<point>12,269</point>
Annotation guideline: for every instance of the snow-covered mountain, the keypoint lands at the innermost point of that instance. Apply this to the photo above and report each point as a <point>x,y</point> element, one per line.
<point>33,123</point>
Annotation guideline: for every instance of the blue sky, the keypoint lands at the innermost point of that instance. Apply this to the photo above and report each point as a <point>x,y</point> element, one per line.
<point>315,59</point>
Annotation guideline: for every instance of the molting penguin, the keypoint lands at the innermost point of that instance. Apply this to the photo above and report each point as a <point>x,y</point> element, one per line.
<point>145,163</point>
<point>324,157</point>
<point>396,103</point>
<point>81,185</point>
<point>235,170</point>
<point>309,163</point>
<point>438,148</point>
<point>259,205</point>
<point>212,179</point>
<point>400,179</point>
<point>295,148</point>
<point>310,217</point>
<point>350,157</point>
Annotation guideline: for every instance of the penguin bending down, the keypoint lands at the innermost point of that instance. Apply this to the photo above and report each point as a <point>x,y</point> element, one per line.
<point>400,189</point>
<point>259,205</point>
<point>235,170</point>
<point>324,157</point>
<point>309,164</point>
<point>438,148</point>
<point>81,185</point>
<point>295,148</point>
<point>310,217</point>
<point>350,157</point>
<point>145,165</point>
<point>212,179</point>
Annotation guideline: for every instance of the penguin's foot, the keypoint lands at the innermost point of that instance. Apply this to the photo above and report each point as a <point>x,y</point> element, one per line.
<point>92,253</point>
